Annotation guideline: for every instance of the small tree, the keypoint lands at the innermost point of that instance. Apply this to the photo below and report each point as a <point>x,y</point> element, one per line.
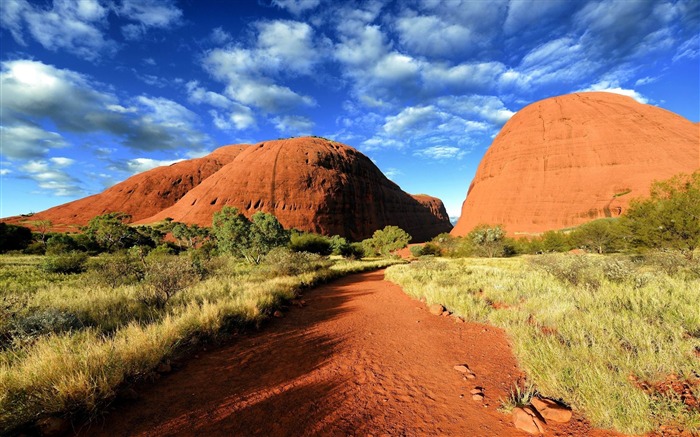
<point>43,227</point>
<point>191,236</point>
<point>670,217</point>
<point>600,236</point>
<point>110,231</point>
<point>236,235</point>
<point>488,241</point>
<point>388,239</point>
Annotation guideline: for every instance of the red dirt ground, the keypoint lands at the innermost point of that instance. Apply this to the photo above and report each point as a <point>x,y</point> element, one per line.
<point>361,358</point>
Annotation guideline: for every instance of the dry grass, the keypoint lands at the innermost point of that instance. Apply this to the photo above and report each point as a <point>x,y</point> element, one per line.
<point>120,338</point>
<point>582,328</point>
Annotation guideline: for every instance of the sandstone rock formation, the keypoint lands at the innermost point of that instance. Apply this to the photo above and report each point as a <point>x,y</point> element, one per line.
<point>311,184</point>
<point>566,160</point>
<point>141,195</point>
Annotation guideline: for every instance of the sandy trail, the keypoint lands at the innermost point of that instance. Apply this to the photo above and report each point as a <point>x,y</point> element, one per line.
<point>361,358</point>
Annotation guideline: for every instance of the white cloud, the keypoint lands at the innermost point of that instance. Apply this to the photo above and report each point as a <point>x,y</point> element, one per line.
<point>489,108</point>
<point>50,175</point>
<point>5,171</point>
<point>690,49</point>
<point>392,173</point>
<point>34,92</point>
<point>411,118</point>
<point>282,48</point>
<point>147,14</point>
<point>296,7</point>
<point>28,141</point>
<point>429,35</point>
<point>220,36</point>
<point>614,88</point>
<point>139,165</point>
<point>293,124</point>
<point>441,152</point>
<point>525,13</point>
<point>76,26</point>
<point>380,142</point>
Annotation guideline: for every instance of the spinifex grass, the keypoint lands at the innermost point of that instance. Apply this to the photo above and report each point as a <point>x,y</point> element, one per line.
<point>78,369</point>
<point>583,328</point>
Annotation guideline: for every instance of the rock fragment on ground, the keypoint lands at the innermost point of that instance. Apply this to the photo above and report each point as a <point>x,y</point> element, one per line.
<point>436,309</point>
<point>551,411</point>
<point>526,419</point>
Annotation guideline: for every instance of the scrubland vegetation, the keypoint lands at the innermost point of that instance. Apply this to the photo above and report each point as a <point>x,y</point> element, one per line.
<point>104,308</point>
<point>615,336</point>
<point>604,334</point>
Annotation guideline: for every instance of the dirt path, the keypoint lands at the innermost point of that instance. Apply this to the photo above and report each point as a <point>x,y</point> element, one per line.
<point>361,358</point>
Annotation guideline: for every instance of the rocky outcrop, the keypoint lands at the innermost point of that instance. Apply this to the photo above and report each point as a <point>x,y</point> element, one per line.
<point>566,160</point>
<point>141,195</point>
<point>311,184</point>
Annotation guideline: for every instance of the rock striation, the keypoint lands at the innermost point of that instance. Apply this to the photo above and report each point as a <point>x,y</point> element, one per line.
<point>566,160</point>
<point>311,184</point>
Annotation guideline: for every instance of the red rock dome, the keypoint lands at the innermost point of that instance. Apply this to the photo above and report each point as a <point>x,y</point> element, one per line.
<point>311,184</point>
<point>141,195</point>
<point>567,160</point>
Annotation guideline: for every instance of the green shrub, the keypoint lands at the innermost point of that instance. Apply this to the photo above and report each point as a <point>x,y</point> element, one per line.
<point>46,321</point>
<point>73,262</point>
<point>284,262</point>
<point>570,269</point>
<point>164,276</point>
<point>353,251</point>
<point>416,251</point>
<point>122,268</point>
<point>14,237</point>
<point>312,243</point>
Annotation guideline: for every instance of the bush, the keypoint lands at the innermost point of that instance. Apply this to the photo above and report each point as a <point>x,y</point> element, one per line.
<point>386,240</point>
<point>571,269</point>
<point>122,268</point>
<point>284,262</point>
<point>164,276</point>
<point>60,243</point>
<point>46,321</point>
<point>73,262</point>
<point>428,249</point>
<point>312,243</point>
<point>353,251</point>
<point>14,237</point>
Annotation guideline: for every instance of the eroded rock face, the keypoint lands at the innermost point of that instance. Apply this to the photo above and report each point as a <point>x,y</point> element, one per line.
<point>311,184</point>
<point>566,160</point>
<point>141,195</point>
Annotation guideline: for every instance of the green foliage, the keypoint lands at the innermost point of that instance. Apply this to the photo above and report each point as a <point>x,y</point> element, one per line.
<point>670,217</point>
<point>581,332</point>
<point>339,245</point>
<point>114,270</point>
<point>427,249</point>
<point>386,240</point>
<point>189,236</point>
<point>600,236</point>
<point>281,261</point>
<point>312,243</point>
<point>110,231</point>
<point>488,241</point>
<point>555,241</point>
<point>14,237</point>
<point>65,263</point>
<point>61,243</point>
<point>164,276</point>
<point>243,238</point>
<point>353,251</point>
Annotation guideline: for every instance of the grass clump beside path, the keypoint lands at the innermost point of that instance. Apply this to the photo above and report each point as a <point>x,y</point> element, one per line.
<point>67,343</point>
<point>617,339</point>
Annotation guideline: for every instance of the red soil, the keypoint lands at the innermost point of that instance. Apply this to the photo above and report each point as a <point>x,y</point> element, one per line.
<point>566,160</point>
<point>361,358</point>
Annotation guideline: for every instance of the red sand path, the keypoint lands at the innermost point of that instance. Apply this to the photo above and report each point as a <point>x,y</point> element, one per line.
<point>361,358</point>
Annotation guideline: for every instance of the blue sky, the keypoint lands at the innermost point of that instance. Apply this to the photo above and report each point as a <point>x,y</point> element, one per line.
<point>93,91</point>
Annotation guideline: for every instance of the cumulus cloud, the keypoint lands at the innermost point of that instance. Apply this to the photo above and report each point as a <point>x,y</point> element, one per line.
<point>296,7</point>
<point>81,26</point>
<point>611,87</point>
<point>489,108</point>
<point>293,124</point>
<point>28,141</point>
<point>51,175</point>
<point>282,48</point>
<point>34,92</point>
<point>441,152</point>
<point>70,25</point>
